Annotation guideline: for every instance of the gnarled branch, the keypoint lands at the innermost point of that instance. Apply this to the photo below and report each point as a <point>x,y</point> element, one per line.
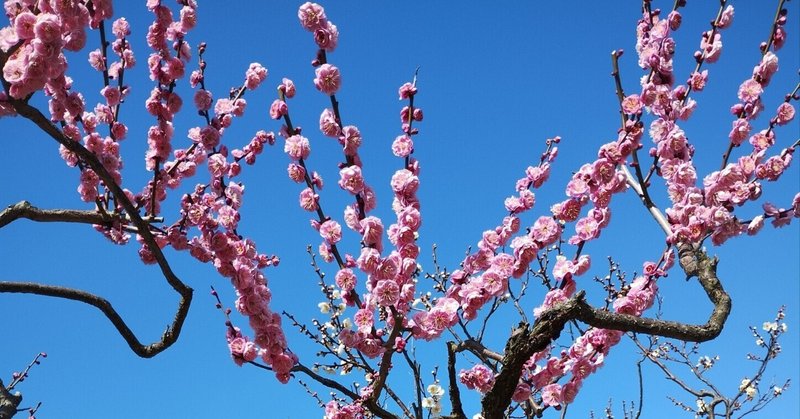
<point>525,341</point>
<point>8,402</point>
<point>145,351</point>
<point>143,229</point>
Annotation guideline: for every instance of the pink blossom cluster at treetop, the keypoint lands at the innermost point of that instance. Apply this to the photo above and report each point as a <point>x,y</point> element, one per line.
<point>377,285</point>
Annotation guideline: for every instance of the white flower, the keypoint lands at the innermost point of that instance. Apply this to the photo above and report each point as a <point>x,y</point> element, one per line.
<point>428,402</point>
<point>745,383</point>
<point>347,323</point>
<point>701,406</point>
<point>784,327</point>
<point>748,387</point>
<point>435,390</point>
<point>770,326</point>
<point>777,391</point>
<point>324,307</point>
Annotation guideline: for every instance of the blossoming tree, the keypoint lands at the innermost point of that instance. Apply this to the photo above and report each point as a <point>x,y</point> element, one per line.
<point>381,308</point>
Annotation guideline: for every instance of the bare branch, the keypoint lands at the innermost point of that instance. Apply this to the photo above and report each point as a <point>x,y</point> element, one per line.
<point>145,351</point>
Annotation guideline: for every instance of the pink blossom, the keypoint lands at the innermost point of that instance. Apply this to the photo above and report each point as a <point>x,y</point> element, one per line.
<point>538,174</point>
<point>309,200</point>
<point>287,88</point>
<point>479,377</point>
<point>278,109</point>
<point>697,81</point>
<point>711,48</point>
<point>121,28</point>
<point>297,147</point>
<point>386,292</point>
<point>350,140</point>
<point>726,18</point>
<point>632,104</point>
<point>368,260</point>
<point>407,90</point>
<point>740,131</point>
<point>763,140</point>
<point>24,23</point>
<point>331,231</point>
<point>404,183</point>
<point>237,347</point>
<point>674,19</point>
<point>351,179</point>
<point>551,299</point>
<point>587,229</point>
<point>209,137</point>
<point>750,91</point>
<point>346,279</point>
<point>402,146</point>
<point>545,230</point>
<point>328,79</point>
<point>372,231</point>
<point>551,395</point>
<point>203,100</point>
<point>567,211</point>
<point>327,37</point>
<point>364,319</point>
<point>255,75</point>
<point>47,28</point>
<point>785,113</point>
<point>312,16</point>
<point>570,390</point>
<point>328,124</point>
<point>296,172</point>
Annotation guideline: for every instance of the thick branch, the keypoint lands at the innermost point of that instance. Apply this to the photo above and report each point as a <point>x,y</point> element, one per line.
<point>145,351</point>
<point>25,209</point>
<point>525,342</point>
<point>34,115</point>
<point>8,402</point>
<point>479,350</point>
<point>457,411</point>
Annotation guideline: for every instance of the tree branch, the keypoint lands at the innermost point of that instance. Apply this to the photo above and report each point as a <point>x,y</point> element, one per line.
<point>171,334</point>
<point>25,209</point>
<point>145,351</point>
<point>8,402</point>
<point>525,341</point>
<point>457,411</point>
<point>370,404</point>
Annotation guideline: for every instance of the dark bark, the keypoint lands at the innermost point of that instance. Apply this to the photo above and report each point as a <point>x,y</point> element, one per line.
<point>525,341</point>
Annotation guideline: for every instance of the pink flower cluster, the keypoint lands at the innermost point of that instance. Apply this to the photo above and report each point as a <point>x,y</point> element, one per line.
<point>166,70</point>
<point>479,377</point>
<point>698,212</point>
<point>335,410</point>
<point>313,19</point>
<point>43,33</point>
<point>485,273</point>
<point>216,214</point>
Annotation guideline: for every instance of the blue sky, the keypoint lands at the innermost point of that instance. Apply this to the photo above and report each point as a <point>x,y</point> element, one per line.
<point>494,83</point>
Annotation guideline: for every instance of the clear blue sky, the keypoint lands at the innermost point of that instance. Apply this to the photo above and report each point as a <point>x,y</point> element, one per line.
<point>494,83</point>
